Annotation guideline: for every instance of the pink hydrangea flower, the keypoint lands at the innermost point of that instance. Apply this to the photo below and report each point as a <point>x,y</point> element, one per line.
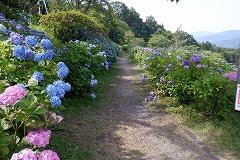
<point>48,155</point>
<point>26,154</point>
<point>40,138</point>
<point>16,91</point>
<point>11,95</point>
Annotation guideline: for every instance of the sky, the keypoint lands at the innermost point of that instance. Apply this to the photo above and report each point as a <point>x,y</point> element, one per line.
<point>192,15</point>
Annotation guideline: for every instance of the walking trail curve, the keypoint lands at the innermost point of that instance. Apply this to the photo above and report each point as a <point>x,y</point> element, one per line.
<point>122,128</point>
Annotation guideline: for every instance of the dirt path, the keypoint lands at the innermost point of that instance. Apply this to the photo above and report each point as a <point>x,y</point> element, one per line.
<point>123,129</point>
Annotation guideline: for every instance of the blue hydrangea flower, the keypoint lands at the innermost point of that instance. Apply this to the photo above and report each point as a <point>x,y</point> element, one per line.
<point>219,70</point>
<point>60,92</point>
<point>87,65</point>
<point>20,27</point>
<point>168,69</point>
<point>170,65</point>
<point>106,67</point>
<point>46,43</point>
<point>61,65</point>
<point>144,76</point>
<point>37,57</point>
<point>55,101</point>
<point>19,51</point>
<point>29,53</point>
<point>31,41</point>
<point>23,86</point>
<point>12,22</point>
<point>155,99</point>
<point>147,59</point>
<point>2,18</point>
<point>48,55</point>
<point>92,77</point>
<point>51,90</point>
<point>16,38</point>
<point>93,96</point>
<point>93,82</point>
<point>38,76</point>
<point>195,59</point>
<point>62,73</point>
<point>62,84</point>
<point>67,87</point>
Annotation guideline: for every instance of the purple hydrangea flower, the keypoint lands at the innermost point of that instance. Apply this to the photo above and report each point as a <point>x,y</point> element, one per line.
<point>162,80</point>
<point>31,41</point>
<point>178,58</point>
<point>168,69</point>
<point>20,27</point>
<point>186,63</point>
<point>106,67</point>
<point>155,99</point>
<point>195,58</point>
<point>199,66</point>
<point>150,98</point>
<point>170,66</point>
<point>144,76</point>
<point>93,82</point>
<point>170,82</point>
<point>151,93</point>
<point>144,80</point>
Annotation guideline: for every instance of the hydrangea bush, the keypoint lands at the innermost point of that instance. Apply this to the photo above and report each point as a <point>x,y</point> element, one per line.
<point>207,85</point>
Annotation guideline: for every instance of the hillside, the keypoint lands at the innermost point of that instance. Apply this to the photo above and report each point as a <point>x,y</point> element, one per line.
<point>228,39</point>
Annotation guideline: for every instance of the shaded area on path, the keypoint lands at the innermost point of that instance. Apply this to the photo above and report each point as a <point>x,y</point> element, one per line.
<point>121,128</point>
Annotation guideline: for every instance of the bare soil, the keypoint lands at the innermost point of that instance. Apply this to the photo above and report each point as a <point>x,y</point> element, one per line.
<point>122,128</point>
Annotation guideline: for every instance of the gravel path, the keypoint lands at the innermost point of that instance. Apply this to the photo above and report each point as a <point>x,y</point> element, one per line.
<point>123,129</point>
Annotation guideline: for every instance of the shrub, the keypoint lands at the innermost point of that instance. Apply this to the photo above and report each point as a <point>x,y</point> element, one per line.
<point>72,25</point>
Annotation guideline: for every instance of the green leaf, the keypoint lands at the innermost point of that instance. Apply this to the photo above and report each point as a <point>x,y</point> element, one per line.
<point>5,124</point>
<point>4,150</point>
<point>39,110</point>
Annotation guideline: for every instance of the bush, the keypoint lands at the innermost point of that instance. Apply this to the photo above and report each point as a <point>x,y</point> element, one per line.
<point>190,77</point>
<point>72,25</point>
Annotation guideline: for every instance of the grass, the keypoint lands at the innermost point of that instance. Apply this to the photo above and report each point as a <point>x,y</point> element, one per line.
<point>77,110</point>
<point>223,136</point>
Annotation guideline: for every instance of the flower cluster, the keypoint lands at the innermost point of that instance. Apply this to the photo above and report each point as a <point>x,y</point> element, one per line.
<point>31,41</point>
<point>46,43</point>
<point>19,51</point>
<point>161,80</point>
<point>11,95</point>
<point>195,58</point>
<point>28,154</point>
<point>186,63</point>
<point>231,75</point>
<point>16,38</point>
<point>62,70</point>
<point>93,82</point>
<point>38,76</point>
<point>144,78</point>
<point>39,138</point>
<point>56,91</point>
<point>151,97</point>
<point>93,96</point>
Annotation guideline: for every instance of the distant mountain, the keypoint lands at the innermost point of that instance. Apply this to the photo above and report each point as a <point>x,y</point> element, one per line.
<point>201,34</point>
<point>227,39</point>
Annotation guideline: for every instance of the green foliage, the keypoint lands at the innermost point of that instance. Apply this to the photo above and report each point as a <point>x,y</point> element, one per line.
<point>76,57</point>
<point>199,85</point>
<point>72,25</point>
<point>16,120</point>
<point>159,41</point>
